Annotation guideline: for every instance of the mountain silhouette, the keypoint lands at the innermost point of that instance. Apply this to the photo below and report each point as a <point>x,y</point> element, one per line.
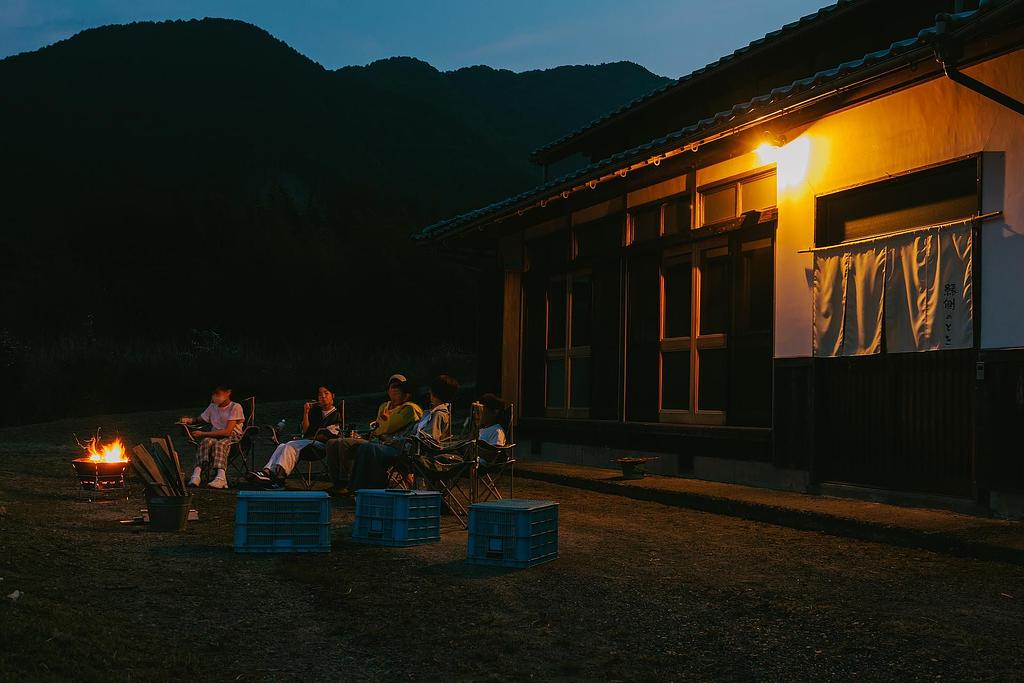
<point>149,166</point>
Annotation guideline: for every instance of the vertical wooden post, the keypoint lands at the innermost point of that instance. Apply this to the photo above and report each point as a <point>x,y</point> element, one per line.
<point>511,336</point>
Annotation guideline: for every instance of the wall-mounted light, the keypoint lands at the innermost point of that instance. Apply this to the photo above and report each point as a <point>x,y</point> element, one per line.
<point>774,139</point>
<point>791,158</point>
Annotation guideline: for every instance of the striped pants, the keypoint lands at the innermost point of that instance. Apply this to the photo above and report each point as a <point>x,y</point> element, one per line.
<point>213,453</point>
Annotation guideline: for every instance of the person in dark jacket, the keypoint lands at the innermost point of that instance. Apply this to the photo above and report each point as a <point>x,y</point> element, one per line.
<point>320,421</point>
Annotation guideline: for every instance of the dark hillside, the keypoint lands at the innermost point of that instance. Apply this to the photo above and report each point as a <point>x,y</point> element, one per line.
<point>164,178</point>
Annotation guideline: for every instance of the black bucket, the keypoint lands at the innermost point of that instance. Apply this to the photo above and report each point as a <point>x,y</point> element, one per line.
<point>169,513</point>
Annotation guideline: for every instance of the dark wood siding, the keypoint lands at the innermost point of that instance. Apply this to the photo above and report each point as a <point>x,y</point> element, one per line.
<point>1001,421</point>
<point>642,336</point>
<point>750,339</point>
<point>896,421</point>
<point>793,408</point>
<point>490,309</point>
<point>534,316</point>
<point>606,339</point>
<point>546,256</point>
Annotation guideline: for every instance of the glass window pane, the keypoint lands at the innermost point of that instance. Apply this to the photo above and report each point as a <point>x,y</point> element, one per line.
<point>556,384</point>
<point>719,204</point>
<point>755,301</point>
<point>647,223</point>
<point>675,380</point>
<point>758,193</point>
<point>579,392</point>
<point>556,314</point>
<point>713,374</point>
<point>677,216</point>
<point>714,294</point>
<point>582,303</point>
<point>678,287</point>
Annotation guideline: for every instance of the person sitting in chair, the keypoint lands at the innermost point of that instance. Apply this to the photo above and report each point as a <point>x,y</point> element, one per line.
<point>491,408</point>
<point>435,428</point>
<point>225,418</point>
<point>394,418</point>
<point>318,426</point>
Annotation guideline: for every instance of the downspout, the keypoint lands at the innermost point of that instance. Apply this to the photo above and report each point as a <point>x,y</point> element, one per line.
<point>947,54</point>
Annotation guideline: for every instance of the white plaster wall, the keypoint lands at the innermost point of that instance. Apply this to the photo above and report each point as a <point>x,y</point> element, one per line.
<point>930,123</point>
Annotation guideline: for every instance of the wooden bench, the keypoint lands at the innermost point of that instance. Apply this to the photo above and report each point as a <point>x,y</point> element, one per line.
<point>633,467</point>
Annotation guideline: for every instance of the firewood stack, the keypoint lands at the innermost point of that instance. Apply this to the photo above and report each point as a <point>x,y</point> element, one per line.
<point>159,468</point>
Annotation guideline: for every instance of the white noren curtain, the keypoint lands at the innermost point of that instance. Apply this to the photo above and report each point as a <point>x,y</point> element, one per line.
<point>917,286</point>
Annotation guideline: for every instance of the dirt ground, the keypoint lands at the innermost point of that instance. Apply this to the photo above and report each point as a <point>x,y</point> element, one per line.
<point>641,591</point>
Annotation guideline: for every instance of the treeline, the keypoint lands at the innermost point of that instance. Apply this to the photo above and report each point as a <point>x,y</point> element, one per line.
<point>159,178</point>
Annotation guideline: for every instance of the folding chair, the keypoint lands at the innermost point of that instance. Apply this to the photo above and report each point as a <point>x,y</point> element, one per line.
<point>399,474</point>
<point>310,455</point>
<point>445,468</point>
<point>243,452</point>
<point>495,462</point>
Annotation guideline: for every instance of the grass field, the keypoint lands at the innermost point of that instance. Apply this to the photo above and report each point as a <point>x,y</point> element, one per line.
<point>641,592</point>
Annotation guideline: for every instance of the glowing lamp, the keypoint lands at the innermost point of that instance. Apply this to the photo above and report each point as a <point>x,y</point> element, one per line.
<point>791,159</point>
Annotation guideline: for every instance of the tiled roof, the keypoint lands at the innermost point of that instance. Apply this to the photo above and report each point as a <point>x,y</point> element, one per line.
<point>778,97</point>
<point>786,30</point>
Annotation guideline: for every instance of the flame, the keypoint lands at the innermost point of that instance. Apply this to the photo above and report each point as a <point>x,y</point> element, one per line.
<point>110,452</point>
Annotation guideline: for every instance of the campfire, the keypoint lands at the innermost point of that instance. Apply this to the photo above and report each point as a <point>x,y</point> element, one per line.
<point>111,452</point>
<point>103,466</point>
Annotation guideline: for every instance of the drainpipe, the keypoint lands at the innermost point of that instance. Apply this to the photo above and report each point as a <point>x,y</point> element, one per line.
<point>947,53</point>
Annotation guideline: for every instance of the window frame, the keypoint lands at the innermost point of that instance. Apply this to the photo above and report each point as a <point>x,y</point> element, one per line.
<point>696,341</point>
<point>737,183</point>
<point>567,354</point>
<point>823,201</point>
<point>662,205</point>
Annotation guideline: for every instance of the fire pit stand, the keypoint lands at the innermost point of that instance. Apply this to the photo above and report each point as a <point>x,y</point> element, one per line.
<point>99,479</point>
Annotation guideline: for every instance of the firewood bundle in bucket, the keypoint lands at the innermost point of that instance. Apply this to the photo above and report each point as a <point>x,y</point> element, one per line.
<point>167,498</point>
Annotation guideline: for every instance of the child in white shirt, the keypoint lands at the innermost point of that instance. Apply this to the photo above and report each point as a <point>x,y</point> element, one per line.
<point>225,419</point>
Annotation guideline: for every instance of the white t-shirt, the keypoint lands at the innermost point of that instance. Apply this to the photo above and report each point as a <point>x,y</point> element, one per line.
<point>218,417</point>
<point>493,435</point>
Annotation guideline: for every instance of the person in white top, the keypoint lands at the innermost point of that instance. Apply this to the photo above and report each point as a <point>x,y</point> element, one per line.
<point>321,421</point>
<point>490,408</point>
<point>225,419</point>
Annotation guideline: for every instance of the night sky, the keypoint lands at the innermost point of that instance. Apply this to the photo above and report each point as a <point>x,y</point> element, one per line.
<point>669,37</point>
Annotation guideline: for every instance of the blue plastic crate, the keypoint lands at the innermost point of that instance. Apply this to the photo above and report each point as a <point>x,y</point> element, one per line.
<point>283,522</point>
<point>512,533</point>
<point>397,517</point>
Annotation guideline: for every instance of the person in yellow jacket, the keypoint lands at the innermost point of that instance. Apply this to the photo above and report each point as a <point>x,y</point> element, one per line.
<point>395,417</point>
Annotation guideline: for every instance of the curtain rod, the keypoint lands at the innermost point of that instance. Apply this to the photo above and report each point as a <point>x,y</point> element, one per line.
<point>899,233</point>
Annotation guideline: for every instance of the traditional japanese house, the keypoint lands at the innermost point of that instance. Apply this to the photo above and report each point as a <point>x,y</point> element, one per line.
<point>801,266</point>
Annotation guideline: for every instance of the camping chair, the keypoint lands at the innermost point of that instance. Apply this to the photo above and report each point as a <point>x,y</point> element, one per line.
<point>243,451</point>
<point>493,463</point>
<point>444,468</point>
<point>399,475</point>
<point>309,454</point>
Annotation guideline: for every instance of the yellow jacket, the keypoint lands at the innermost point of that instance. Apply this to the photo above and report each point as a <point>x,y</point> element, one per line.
<point>391,421</point>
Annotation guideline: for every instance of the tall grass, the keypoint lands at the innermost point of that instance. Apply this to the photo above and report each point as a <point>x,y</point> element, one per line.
<point>77,376</point>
